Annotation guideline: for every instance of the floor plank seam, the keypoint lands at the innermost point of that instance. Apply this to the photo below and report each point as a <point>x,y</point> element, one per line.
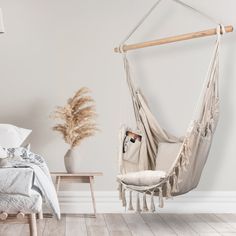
<point>127,225</point>
<point>22,230</point>
<point>143,222</point>
<point>147,224</point>
<point>44,228</point>
<point>207,223</point>
<point>224,221</point>
<point>134,224</point>
<point>191,226</point>
<point>197,215</point>
<point>86,226</point>
<point>65,226</point>
<point>168,225</point>
<point>104,219</point>
<point>221,221</point>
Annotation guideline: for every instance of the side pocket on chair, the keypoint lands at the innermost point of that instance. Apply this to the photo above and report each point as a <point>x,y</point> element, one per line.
<point>131,147</point>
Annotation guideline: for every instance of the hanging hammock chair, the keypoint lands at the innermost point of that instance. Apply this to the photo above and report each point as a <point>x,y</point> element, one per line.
<point>151,160</point>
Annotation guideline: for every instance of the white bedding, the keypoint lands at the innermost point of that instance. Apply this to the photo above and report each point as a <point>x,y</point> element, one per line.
<point>28,172</point>
<point>13,203</point>
<point>16,180</point>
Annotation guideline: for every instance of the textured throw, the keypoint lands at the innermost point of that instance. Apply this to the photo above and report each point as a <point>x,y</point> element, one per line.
<point>16,181</point>
<point>27,171</point>
<point>13,203</point>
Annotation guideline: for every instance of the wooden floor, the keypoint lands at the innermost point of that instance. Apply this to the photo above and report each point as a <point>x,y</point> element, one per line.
<point>131,224</point>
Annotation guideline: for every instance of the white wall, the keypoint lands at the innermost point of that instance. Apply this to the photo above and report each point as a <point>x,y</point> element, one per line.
<point>52,48</point>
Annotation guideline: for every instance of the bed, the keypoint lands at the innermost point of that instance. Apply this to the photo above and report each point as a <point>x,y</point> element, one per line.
<point>21,209</point>
<point>25,183</point>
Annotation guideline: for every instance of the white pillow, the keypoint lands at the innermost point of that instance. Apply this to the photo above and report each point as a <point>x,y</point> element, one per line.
<point>12,136</point>
<point>143,178</point>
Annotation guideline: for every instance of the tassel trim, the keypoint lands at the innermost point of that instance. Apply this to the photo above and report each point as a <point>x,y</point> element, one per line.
<point>161,202</point>
<point>130,208</point>
<point>152,205</point>
<point>174,188</point>
<point>138,208</point>
<point>124,203</point>
<point>168,189</point>
<point>120,191</point>
<point>145,208</point>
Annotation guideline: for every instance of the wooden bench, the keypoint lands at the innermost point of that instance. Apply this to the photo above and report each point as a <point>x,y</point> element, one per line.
<point>80,177</point>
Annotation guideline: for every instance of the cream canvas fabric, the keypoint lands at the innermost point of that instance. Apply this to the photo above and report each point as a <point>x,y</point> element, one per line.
<point>166,155</point>
<point>182,159</point>
<point>131,150</point>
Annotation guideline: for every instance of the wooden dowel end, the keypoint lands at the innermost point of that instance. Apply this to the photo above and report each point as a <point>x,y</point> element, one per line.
<point>173,39</point>
<point>20,216</point>
<point>3,216</point>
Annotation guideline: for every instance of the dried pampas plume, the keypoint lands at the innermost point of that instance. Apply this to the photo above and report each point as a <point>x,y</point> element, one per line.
<point>78,117</point>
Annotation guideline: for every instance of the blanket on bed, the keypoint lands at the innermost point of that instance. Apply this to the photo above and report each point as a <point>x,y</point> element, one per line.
<point>26,171</point>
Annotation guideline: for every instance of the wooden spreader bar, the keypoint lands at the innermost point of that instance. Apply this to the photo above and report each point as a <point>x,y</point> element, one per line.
<point>172,39</point>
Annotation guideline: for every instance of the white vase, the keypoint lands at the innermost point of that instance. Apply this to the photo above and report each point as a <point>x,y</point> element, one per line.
<point>70,160</point>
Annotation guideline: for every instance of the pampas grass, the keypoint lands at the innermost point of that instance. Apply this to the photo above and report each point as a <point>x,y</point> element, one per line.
<point>78,118</point>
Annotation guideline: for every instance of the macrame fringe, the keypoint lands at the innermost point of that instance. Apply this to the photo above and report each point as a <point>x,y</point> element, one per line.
<point>184,159</point>
<point>138,208</point>
<point>174,188</point>
<point>168,189</point>
<point>152,205</point>
<point>130,208</point>
<point>120,191</point>
<point>124,203</point>
<point>145,208</point>
<point>161,202</point>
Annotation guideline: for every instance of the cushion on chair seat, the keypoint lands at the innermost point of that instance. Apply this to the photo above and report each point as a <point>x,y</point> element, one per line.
<point>142,178</point>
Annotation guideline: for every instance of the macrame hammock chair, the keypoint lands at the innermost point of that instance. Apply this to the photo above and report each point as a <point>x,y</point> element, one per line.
<point>151,160</point>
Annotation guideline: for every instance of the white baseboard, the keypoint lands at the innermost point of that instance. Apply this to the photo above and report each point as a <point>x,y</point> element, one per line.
<point>108,202</point>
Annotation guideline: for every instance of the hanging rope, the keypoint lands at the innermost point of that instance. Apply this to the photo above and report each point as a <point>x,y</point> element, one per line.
<point>197,11</point>
<point>153,8</point>
<point>140,22</point>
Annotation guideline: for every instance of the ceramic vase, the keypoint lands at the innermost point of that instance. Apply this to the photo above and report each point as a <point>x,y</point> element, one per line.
<point>70,160</point>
